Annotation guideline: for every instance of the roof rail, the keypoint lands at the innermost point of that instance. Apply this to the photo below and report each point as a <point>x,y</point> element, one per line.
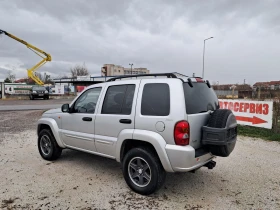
<point>168,75</point>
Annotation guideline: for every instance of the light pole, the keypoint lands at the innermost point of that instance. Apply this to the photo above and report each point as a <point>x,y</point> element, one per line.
<point>131,64</point>
<point>203,55</point>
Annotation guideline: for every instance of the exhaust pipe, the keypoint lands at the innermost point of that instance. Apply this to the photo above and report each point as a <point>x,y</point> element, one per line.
<point>211,164</point>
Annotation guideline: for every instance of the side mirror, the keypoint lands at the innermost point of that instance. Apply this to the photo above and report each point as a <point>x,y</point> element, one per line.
<point>65,108</point>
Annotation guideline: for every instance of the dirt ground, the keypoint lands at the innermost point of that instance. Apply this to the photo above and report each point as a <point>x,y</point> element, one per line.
<point>248,179</point>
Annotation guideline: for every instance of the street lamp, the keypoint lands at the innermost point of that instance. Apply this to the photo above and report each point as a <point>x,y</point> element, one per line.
<point>203,55</point>
<point>131,64</point>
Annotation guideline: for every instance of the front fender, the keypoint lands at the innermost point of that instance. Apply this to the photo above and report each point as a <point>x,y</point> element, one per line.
<point>54,128</point>
<point>148,136</point>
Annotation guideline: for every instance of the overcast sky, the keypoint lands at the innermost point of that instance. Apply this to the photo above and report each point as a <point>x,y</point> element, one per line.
<point>163,36</point>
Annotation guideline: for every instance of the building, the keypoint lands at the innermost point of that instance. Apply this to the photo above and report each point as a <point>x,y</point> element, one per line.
<point>267,89</point>
<point>272,85</point>
<point>117,70</point>
<point>233,91</point>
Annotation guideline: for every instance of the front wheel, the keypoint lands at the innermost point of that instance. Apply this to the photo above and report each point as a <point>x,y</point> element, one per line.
<point>142,171</point>
<point>47,145</point>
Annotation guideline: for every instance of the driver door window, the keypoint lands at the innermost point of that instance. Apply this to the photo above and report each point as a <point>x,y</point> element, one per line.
<point>86,103</point>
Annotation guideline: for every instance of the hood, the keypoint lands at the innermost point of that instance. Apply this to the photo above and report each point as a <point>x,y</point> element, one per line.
<point>53,111</point>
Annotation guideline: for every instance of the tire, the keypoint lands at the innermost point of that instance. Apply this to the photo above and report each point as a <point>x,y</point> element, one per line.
<point>47,145</point>
<point>219,119</point>
<point>148,167</point>
<point>31,97</point>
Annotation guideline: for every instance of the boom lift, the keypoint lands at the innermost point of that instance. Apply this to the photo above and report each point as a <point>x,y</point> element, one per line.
<point>41,53</point>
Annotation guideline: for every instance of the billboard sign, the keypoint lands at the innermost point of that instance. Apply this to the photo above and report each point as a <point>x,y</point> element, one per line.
<point>253,113</point>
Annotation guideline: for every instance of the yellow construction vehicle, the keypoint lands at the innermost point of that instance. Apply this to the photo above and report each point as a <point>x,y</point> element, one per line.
<point>31,72</point>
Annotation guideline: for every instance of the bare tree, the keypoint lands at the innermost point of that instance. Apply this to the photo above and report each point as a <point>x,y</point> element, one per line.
<point>39,75</point>
<point>11,76</point>
<point>79,70</point>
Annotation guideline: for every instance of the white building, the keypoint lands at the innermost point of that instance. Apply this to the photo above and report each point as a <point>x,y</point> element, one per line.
<point>117,70</point>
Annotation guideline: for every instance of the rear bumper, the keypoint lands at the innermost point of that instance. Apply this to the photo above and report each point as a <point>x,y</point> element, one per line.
<point>183,158</point>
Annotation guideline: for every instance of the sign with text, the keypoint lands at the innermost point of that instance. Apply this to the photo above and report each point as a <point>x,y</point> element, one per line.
<point>253,113</point>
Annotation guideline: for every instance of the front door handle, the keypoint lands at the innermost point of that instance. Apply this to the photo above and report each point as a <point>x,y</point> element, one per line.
<point>87,119</point>
<point>125,121</point>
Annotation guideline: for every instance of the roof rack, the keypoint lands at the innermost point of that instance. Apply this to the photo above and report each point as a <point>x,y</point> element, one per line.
<point>168,75</point>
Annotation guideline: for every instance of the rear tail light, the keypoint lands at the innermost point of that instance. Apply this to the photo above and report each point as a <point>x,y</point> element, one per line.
<point>182,133</point>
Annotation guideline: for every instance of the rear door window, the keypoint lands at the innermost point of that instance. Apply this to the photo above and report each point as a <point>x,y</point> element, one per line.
<point>118,100</point>
<point>155,99</point>
<point>199,98</point>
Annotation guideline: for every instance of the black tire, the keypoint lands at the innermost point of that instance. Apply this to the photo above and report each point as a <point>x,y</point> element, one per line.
<point>155,170</point>
<point>47,145</point>
<point>31,97</point>
<point>219,119</point>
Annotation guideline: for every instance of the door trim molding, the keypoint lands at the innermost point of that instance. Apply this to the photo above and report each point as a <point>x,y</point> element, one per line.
<point>78,137</point>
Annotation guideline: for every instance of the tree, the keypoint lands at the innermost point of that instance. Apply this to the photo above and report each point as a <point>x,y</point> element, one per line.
<point>7,80</point>
<point>11,77</point>
<point>79,70</point>
<point>39,75</point>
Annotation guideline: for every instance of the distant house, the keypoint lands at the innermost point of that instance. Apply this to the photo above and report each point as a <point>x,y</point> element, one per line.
<point>233,91</point>
<point>272,85</point>
<point>267,89</point>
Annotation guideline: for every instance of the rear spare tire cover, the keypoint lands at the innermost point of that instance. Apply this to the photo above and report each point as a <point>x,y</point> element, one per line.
<point>223,118</point>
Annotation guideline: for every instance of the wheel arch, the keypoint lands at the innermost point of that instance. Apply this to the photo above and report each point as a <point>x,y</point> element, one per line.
<point>144,138</point>
<point>48,123</point>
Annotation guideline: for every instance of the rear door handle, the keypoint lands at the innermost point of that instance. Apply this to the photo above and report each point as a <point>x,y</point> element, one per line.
<point>125,121</point>
<point>87,119</point>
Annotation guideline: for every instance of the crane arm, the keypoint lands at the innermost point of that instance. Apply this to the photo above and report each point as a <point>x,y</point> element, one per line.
<point>41,53</point>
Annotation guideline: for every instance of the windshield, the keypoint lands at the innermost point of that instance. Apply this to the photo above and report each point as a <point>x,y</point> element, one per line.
<point>39,88</point>
<point>199,98</point>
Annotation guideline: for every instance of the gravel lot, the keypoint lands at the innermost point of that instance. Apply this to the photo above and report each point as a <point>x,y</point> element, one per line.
<point>248,179</point>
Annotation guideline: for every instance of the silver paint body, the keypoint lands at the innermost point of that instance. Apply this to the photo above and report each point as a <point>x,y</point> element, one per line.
<point>104,135</point>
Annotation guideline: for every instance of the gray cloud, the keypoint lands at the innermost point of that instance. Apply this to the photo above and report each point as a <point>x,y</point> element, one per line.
<point>163,36</point>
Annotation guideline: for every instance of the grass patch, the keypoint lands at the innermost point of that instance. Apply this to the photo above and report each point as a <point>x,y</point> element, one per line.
<point>262,133</point>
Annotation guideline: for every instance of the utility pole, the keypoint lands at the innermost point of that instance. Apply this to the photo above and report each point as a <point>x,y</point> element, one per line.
<point>131,64</point>
<point>203,55</point>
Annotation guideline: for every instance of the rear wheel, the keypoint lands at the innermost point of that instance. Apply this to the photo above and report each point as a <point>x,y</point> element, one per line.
<point>142,171</point>
<point>47,145</point>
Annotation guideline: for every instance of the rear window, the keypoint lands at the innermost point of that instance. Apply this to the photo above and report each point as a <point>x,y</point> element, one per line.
<point>155,99</point>
<point>199,98</point>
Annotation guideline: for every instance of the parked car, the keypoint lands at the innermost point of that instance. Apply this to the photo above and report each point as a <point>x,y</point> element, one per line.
<point>38,92</point>
<point>150,125</point>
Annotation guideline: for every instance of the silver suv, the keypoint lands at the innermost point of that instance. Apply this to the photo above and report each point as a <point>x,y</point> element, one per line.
<point>151,124</point>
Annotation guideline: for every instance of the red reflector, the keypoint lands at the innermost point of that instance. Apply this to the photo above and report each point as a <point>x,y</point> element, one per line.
<point>199,80</point>
<point>182,133</point>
